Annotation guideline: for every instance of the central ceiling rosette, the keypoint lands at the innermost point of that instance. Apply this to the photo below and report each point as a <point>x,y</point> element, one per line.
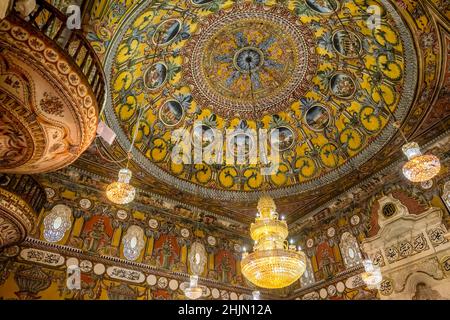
<point>250,61</point>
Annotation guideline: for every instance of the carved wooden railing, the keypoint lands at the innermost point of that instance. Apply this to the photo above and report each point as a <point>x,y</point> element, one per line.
<point>73,43</point>
<point>26,187</point>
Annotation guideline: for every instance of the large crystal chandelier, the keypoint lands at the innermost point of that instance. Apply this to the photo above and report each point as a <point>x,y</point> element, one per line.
<point>420,167</point>
<point>273,264</point>
<point>192,291</point>
<point>121,192</point>
<point>372,276</point>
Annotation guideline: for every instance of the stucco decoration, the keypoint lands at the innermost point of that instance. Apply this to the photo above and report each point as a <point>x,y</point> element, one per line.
<point>197,258</point>
<point>48,110</point>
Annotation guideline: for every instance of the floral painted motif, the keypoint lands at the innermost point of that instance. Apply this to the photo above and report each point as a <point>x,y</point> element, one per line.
<point>52,105</point>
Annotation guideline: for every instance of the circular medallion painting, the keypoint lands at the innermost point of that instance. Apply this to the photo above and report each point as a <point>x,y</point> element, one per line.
<point>99,269</point>
<point>282,138</point>
<point>166,32</point>
<point>331,290</point>
<point>331,232</point>
<point>86,265</point>
<point>215,293</point>
<point>171,113</point>
<point>151,279</point>
<point>354,220</point>
<point>184,233</point>
<point>317,117</point>
<point>155,76</point>
<point>307,72</point>
<point>162,282</point>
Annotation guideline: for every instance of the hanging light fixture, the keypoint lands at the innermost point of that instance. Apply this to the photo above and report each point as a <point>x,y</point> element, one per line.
<point>420,167</point>
<point>273,264</point>
<point>121,192</point>
<point>192,290</point>
<point>372,276</point>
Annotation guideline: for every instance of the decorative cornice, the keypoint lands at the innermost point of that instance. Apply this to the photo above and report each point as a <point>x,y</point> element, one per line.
<point>145,207</point>
<point>141,267</point>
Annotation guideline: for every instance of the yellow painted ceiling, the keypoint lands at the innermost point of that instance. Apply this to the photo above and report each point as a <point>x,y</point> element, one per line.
<point>318,74</point>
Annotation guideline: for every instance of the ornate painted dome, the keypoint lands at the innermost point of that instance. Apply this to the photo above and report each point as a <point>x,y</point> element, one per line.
<point>314,72</point>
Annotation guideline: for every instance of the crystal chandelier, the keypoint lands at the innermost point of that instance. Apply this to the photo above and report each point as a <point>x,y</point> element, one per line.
<point>372,276</point>
<point>121,192</point>
<point>193,291</point>
<point>273,264</point>
<point>420,167</point>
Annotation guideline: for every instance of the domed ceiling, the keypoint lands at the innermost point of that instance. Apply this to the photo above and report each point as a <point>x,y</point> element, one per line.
<point>313,71</point>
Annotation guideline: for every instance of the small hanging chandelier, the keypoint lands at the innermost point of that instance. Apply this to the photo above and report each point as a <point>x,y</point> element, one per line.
<point>372,276</point>
<point>420,167</point>
<point>192,291</point>
<point>273,264</point>
<point>120,191</point>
